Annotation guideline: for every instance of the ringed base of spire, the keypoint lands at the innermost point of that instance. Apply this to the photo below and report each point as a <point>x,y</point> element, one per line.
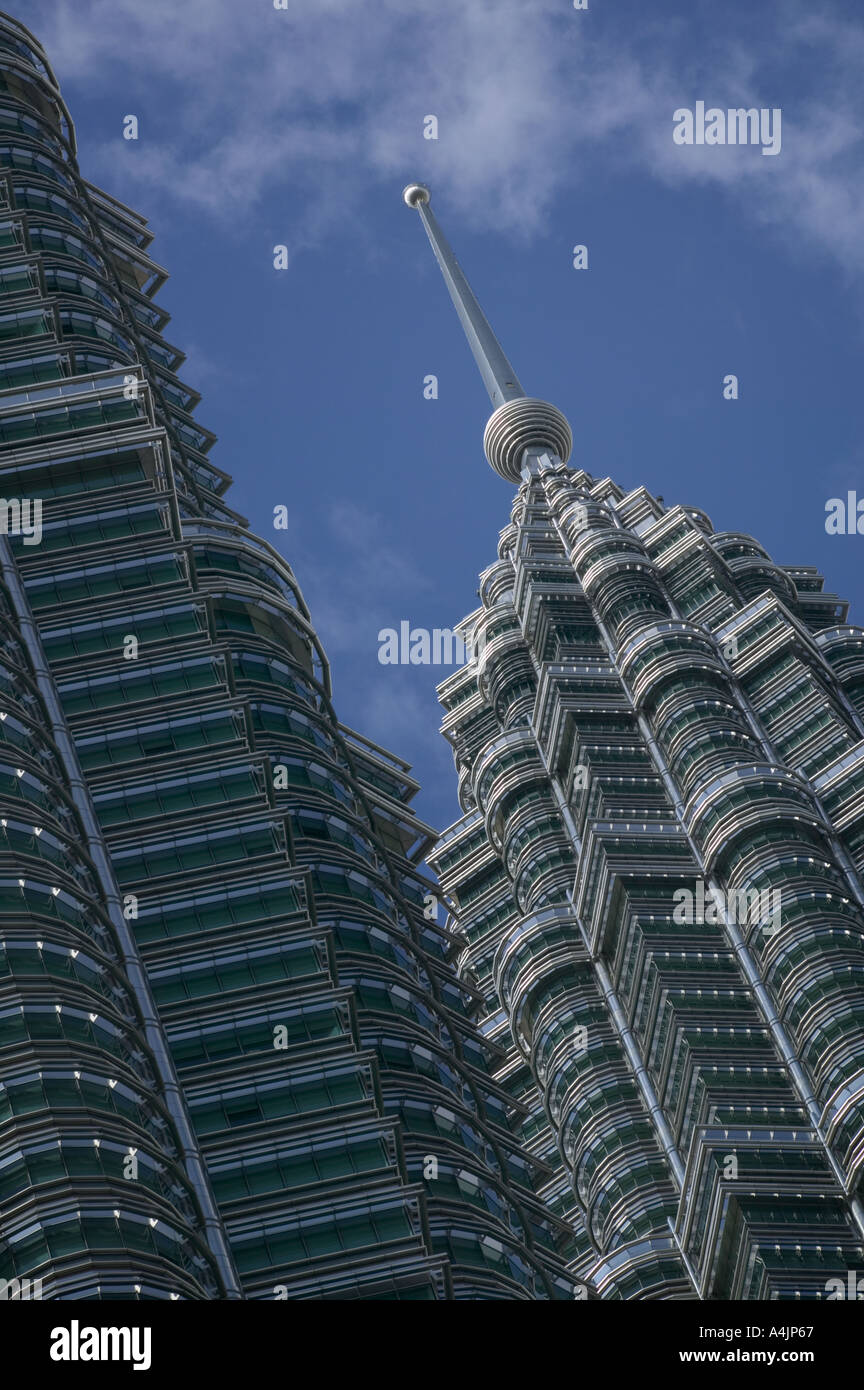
<point>524,423</point>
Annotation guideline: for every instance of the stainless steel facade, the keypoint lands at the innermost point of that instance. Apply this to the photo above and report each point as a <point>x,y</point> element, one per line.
<point>660,749</point>
<point>235,1056</point>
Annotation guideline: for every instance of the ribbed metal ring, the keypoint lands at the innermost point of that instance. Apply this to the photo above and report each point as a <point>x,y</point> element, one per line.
<point>524,423</point>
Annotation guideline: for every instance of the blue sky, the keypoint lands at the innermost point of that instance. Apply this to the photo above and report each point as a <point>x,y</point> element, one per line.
<point>260,127</point>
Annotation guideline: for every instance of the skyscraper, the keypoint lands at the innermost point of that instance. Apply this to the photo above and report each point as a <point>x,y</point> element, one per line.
<point>235,1058</point>
<point>660,749</point>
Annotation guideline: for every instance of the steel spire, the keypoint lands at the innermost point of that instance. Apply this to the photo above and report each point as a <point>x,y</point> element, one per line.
<point>518,422</point>
<point>498,376</point>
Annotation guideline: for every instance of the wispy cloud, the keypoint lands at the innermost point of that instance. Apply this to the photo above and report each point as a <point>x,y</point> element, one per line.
<point>531,99</point>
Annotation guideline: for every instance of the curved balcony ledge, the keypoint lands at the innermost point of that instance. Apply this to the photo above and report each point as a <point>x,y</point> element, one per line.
<point>752,775</point>
<point>614,1268</point>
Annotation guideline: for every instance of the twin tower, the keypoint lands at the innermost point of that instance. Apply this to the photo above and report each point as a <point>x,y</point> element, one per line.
<point>237,1058</point>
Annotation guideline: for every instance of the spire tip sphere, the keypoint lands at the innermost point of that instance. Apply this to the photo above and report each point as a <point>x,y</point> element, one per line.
<point>415,194</point>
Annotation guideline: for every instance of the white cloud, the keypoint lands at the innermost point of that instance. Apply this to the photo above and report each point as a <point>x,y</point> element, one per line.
<point>531,97</point>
